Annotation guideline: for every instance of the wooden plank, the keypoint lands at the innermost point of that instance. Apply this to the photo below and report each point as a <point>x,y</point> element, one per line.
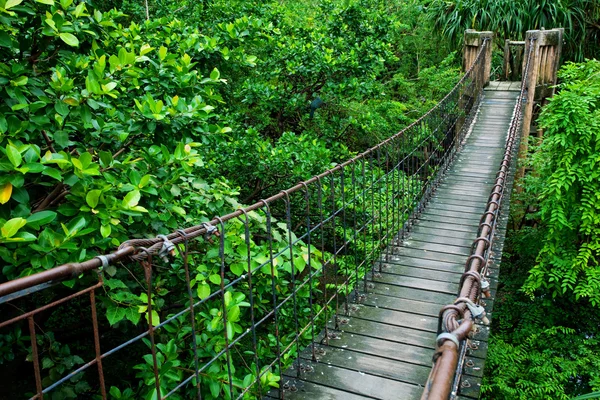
<point>474,169</point>
<point>390,333</point>
<point>392,303</point>
<point>428,255</point>
<point>432,246</point>
<point>490,162</point>
<point>411,293</point>
<point>379,347</point>
<point>436,238</point>
<point>478,193</point>
<point>448,222</point>
<point>357,383</point>
<point>442,211</point>
<point>480,180</point>
<point>416,283</point>
<point>453,172</point>
<point>420,263</point>
<point>451,202</point>
<point>397,318</point>
<point>496,141</point>
<point>442,231</point>
<point>308,390</point>
<point>472,230</point>
<point>452,276</point>
<point>413,373</point>
<point>471,391</point>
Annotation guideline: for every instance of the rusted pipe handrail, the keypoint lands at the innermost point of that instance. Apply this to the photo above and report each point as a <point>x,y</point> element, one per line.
<point>446,359</point>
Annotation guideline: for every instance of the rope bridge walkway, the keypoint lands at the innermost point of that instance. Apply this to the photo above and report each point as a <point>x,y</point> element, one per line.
<point>383,348</point>
<point>342,287</point>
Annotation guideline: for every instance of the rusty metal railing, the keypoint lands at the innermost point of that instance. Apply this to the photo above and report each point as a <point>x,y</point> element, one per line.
<point>457,320</point>
<point>250,296</point>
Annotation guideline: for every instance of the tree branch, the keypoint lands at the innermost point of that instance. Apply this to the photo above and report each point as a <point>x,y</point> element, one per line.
<point>50,198</point>
<point>48,141</point>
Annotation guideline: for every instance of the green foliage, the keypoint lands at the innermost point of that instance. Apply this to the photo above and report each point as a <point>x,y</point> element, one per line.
<point>594,395</point>
<point>541,348</point>
<point>567,160</point>
<point>114,126</point>
<point>511,19</point>
<point>544,363</point>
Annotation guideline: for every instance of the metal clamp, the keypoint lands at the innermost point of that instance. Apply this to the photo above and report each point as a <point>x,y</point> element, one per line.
<point>485,287</point>
<point>477,311</point>
<point>103,260</point>
<point>210,230</point>
<point>167,249</point>
<point>447,336</point>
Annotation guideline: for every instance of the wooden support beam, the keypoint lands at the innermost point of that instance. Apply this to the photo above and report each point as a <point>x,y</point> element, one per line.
<point>541,79</point>
<point>506,59</point>
<point>472,43</point>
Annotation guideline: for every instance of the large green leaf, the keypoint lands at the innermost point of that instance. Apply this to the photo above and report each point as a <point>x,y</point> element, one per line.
<point>92,197</point>
<point>5,40</point>
<point>594,395</point>
<point>75,226</point>
<point>115,314</point>
<point>69,39</point>
<point>131,199</point>
<point>5,192</point>
<point>12,226</point>
<point>203,291</point>
<point>11,3</point>
<point>41,218</point>
<point>14,156</point>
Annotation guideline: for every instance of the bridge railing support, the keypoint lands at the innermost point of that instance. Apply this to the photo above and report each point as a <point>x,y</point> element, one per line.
<point>472,44</point>
<point>473,41</point>
<point>513,58</point>
<point>541,80</point>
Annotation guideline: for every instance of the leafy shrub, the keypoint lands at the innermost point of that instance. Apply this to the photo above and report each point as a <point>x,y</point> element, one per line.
<point>510,20</point>
<point>114,127</point>
<point>569,206</point>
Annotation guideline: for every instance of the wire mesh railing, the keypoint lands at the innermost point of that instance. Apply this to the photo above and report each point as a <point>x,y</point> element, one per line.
<point>225,316</point>
<point>457,320</point>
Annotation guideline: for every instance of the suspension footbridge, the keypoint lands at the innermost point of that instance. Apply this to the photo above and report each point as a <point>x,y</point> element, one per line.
<point>373,280</point>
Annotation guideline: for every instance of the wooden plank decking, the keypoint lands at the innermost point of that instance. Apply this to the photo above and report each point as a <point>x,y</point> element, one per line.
<point>384,348</point>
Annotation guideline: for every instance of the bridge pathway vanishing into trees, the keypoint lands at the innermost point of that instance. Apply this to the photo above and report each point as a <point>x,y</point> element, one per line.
<point>383,348</point>
<point>375,267</point>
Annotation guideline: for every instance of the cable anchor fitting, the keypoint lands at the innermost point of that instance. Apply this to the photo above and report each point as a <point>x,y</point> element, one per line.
<point>485,288</point>
<point>167,249</point>
<point>210,230</point>
<point>442,337</point>
<point>478,312</point>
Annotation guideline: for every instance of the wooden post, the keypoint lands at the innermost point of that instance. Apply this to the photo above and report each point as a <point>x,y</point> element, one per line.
<point>541,79</point>
<point>557,53</point>
<point>530,85</point>
<point>506,59</point>
<point>473,41</point>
